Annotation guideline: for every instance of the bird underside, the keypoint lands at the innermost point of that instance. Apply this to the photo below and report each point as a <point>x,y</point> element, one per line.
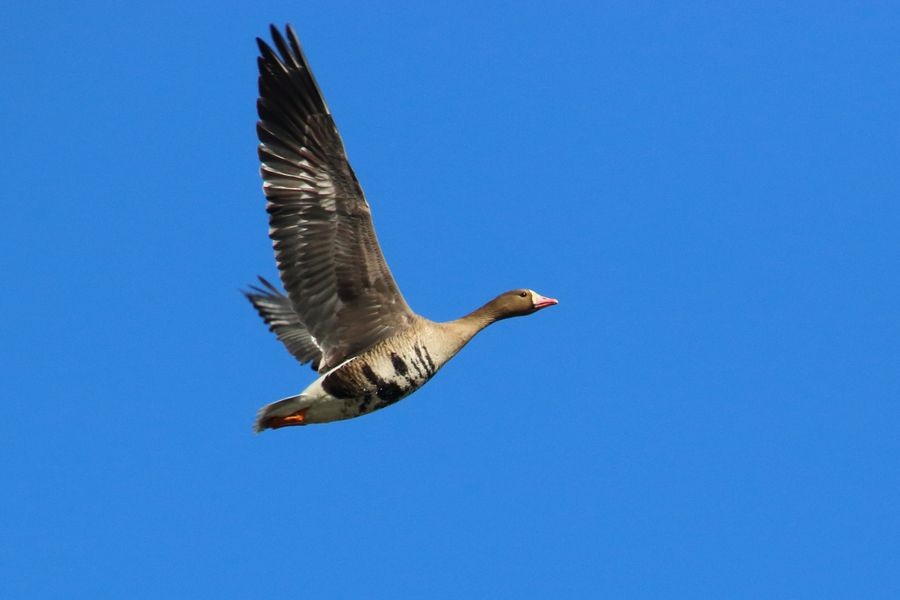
<point>376,379</point>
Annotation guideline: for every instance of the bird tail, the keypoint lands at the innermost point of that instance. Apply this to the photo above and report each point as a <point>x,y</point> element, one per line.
<point>284,413</point>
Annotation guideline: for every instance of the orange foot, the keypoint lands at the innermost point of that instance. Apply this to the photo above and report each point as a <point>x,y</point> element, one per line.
<point>298,418</point>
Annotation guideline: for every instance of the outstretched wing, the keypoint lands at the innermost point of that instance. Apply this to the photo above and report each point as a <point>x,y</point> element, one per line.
<point>319,221</point>
<point>276,310</point>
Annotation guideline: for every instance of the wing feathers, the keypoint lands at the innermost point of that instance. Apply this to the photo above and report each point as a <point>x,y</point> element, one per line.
<point>328,256</point>
<point>276,310</point>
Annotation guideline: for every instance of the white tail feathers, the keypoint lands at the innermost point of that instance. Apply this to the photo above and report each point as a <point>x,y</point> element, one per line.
<point>271,415</point>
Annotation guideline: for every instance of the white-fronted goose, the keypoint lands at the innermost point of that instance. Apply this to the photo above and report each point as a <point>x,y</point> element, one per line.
<point>343,311</point>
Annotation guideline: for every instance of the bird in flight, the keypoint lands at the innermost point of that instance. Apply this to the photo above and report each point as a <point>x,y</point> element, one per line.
<point>343,311</point>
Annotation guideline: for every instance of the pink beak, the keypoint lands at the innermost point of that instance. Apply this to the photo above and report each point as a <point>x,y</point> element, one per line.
<point>543,302</point>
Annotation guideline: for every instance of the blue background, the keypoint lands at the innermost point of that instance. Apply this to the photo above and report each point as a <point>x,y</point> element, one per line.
<point>710,189</point>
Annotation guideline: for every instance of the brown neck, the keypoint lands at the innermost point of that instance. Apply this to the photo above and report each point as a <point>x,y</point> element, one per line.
<point>480,318</point>
<point>465,328</point>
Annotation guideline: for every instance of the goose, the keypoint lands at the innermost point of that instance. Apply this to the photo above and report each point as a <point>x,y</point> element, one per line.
<point>343,312</point>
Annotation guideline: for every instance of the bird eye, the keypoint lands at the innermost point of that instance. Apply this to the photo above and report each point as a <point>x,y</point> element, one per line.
<point>523,294</point>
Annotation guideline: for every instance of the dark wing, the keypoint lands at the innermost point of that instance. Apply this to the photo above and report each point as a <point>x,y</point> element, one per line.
<point>319,221</point>
<point>276,310</point>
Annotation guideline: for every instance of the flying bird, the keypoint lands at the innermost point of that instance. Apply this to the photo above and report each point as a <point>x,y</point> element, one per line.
<point>343,311</point>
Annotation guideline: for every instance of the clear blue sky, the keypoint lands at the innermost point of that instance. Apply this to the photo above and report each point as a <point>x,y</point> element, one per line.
<point>712,191</point>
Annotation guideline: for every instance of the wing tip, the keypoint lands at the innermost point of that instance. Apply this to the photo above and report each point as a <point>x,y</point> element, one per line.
<point>289,57</point>
<point>267,289</point>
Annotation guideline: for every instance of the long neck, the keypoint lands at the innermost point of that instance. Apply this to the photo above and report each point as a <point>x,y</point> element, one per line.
<point>477,320</point>
<point>462,330</point>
